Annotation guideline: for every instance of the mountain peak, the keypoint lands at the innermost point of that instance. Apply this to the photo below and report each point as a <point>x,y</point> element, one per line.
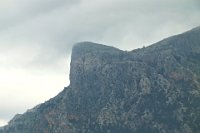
<point>90,47</point>
<point>87,56</point>
<point>154,89</point>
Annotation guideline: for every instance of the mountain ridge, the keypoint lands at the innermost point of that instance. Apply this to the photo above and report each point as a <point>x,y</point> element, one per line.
<point>152,89</point>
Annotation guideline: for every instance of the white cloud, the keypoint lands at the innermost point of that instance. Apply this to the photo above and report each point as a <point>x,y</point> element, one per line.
<point>3,122</point>
<point>23,89</point>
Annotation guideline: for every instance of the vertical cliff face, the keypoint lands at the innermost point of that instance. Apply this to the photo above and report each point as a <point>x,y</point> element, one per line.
<point>154,89</point>
<point>89,57</point>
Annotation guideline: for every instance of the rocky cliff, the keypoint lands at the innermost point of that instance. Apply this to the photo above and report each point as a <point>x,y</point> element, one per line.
<point>150,90</point>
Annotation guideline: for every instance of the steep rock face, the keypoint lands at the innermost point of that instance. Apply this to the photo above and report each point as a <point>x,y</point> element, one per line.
<point>154,89</point>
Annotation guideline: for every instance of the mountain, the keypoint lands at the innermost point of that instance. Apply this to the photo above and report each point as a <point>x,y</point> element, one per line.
<point>1,130</point>
<point>154,89</point>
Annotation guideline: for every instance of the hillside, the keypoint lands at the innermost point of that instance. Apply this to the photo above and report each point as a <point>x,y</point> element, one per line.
<point>149,90</point>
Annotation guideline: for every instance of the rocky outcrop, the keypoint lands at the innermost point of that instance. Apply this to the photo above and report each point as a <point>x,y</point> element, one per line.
<point>154,89</point>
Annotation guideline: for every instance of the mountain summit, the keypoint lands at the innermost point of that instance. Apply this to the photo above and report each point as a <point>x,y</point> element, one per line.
<point>149,90</point>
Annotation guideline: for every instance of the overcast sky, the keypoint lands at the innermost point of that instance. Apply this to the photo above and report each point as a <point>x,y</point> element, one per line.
<point>36,37</point>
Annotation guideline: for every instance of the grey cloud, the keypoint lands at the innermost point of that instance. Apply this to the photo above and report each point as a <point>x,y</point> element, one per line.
<point>126,24</point>
<point>16,12</point>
